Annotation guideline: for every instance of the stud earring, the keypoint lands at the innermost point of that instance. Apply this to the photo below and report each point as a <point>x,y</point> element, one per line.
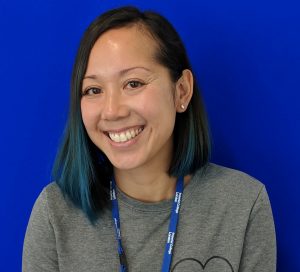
<point>182,106</point>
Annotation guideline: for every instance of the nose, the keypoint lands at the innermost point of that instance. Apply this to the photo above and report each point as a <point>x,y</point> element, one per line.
<point>114,106</point>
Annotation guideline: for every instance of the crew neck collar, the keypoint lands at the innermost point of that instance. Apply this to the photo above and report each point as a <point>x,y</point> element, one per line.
<point>161,206</point>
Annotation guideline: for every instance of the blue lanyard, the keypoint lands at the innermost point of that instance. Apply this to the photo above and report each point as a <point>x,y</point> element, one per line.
<point>172,226</point>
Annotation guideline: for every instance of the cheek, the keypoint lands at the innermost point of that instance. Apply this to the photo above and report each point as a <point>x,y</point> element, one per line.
<point>163,103</point>
<point>159,109</point>
<point>89,115</point>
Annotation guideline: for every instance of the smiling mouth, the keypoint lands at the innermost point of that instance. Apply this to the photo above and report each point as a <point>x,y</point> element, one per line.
<point>124,136</point>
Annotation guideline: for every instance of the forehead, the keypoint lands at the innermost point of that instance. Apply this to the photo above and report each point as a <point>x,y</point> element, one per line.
<point>124,46</point>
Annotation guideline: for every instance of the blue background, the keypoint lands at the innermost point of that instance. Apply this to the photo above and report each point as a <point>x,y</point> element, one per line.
<point>246,55</point>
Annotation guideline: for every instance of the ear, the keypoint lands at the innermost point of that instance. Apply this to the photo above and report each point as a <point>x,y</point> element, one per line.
<point>184,90</point>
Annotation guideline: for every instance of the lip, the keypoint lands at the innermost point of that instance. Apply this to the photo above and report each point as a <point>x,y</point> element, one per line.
<point>127,143</point>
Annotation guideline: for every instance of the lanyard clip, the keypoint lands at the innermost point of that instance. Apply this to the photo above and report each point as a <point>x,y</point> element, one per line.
<point>123,261</point>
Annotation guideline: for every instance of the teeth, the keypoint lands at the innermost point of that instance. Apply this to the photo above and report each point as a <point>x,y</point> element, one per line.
<point>128,135</point>
<point>125,135</point>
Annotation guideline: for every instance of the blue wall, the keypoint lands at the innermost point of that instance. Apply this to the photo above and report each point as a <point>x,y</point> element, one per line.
<point>246,55</point>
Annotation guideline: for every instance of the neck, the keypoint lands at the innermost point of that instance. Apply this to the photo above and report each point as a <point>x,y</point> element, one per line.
<point>150,186</point>
<point>146,187</point>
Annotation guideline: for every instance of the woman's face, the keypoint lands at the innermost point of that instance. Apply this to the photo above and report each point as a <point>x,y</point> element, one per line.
<point>129,103</point>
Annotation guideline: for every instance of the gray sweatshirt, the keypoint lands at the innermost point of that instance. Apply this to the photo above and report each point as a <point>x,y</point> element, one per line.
<point>225,225</point>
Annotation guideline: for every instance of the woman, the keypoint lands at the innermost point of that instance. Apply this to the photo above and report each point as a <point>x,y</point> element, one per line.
<point>137,138</point>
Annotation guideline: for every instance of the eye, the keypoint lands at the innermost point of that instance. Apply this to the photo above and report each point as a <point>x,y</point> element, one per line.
<point>133,84</point>
<point>91,91</point>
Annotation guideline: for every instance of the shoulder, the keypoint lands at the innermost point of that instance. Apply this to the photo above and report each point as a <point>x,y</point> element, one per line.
<point>228,177</point>
<point>228,185</point>
<point>53,195</point>
<point>52,191</point>
<point>57,205</point>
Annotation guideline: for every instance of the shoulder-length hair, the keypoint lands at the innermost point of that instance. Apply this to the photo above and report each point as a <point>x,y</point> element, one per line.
<point>81,170</point>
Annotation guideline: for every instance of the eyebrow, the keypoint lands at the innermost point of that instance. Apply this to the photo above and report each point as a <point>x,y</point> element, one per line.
<point>121,73</point>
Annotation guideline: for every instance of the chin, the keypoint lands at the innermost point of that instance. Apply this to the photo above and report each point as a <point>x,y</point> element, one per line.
<point>126,164</point>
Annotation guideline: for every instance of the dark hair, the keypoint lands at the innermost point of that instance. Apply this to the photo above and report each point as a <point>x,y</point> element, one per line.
<point>81,170</point>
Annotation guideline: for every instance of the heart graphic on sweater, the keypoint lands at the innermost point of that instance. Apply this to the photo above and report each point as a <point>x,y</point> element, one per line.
<point>211,263</point>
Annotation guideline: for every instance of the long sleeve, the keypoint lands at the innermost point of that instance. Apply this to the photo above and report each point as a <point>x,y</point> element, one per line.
<point>39,250</point>
<point>259,250</point>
